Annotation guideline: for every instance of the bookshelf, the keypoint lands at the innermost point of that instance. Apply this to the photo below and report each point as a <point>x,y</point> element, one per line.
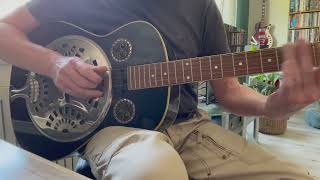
<point>304,20</point>
<point>237,38</point>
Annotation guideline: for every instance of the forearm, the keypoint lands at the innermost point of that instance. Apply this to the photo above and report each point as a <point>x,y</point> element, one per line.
<point>16,49</point>
<point>242,100</point>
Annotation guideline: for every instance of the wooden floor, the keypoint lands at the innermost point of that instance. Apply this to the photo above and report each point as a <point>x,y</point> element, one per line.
<point>300,144</point>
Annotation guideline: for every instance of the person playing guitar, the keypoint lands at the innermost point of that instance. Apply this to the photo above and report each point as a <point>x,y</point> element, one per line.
<point>192,147</point>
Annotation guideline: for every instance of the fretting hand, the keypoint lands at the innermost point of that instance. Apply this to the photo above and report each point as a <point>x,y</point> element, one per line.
<point>301,82</point>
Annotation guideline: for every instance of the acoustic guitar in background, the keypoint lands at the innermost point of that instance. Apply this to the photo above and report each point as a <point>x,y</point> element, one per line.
<point>262,37</point>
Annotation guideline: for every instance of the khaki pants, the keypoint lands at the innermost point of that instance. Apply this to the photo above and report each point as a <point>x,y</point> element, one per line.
<point>195,149</point>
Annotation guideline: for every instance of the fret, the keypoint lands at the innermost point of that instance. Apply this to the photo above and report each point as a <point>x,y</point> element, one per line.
<point>168,73</point>
<point>172,73</point>
<point>211,76</point>
<point>179,72</point>
<point>227,65</point>
<point>148,77</point>
<point>206,68</point>
<point>187,71</point>
<point>240,64</point>
<point>161,74</point>
<point>261,61</point>
<point>200,70</point>
<point>269,60</point>
<point>153,75</point>
<point>245,54</point>
<point>129,77</point>
<point>139,75</point>
<point>234,69</point>
<point>165,77</point>
<point>196,69</point>
<point>136,78</point>
<point>280,58</point>
<point>158,74</point>
<point>278,65</point>
<point>216,66</point>
<point>175,69</point>
<point>144,76</point>
<point>254,62</point>
<point>221,66</point>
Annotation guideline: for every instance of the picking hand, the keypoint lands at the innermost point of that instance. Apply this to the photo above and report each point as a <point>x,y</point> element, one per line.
<point>77,78</point>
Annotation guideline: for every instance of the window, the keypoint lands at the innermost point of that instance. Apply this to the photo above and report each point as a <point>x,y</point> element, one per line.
<point>8,6</point>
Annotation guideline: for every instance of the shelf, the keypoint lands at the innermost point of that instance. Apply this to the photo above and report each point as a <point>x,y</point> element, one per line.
<point>302,28</point>
<point>237,45</point>
<point>303,12</point>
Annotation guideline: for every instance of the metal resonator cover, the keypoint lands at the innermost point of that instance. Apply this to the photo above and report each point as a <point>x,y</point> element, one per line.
<point>57,115</point>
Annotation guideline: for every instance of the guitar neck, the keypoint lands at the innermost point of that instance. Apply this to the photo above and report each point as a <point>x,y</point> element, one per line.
<point>208,68</point>
<point>263,11</point>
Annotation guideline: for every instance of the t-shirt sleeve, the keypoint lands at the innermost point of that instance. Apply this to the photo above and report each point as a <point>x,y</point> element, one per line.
<point>57,10</point>
<point>214,36</point>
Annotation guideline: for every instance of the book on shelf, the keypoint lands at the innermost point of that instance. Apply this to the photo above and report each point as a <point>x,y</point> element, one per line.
<point>236,38</point>
<point>305,20</point>
<point>304,5</point>
<point>311,35</point>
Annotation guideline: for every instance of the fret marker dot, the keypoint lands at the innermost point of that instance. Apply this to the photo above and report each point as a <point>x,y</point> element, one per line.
<point>187,64</point>
<point>269,60</point>
<point>152,75</point>
<point>240,63</point>
<point>216,67</point>
<point>165,74</point>
<point>188,77</point>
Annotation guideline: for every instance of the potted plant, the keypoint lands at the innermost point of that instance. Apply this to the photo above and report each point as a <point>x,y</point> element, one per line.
<point>266,84</point>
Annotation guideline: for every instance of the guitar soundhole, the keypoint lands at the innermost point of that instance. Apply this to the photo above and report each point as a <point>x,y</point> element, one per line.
<point>124,111</point>
<point>121,50</point>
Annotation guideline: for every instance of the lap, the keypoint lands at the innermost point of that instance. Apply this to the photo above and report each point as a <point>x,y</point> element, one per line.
<point>210,151</point>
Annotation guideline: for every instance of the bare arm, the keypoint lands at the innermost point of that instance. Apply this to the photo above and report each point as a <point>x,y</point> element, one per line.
<point>15,48</point>
<point>71,75</point>
<point>239,99</point>
<point>299,88</point>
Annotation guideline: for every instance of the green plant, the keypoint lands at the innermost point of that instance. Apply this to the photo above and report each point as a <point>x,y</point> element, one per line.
<point>266,84</point>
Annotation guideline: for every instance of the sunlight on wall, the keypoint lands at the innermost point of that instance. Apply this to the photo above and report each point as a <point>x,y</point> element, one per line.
<point>7,6</point>
<point>228,9</point>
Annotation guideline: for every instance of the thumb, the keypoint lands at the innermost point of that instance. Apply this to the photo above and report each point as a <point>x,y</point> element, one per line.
<point>101,70</point>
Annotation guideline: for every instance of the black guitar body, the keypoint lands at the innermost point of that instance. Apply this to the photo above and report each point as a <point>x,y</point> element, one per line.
<point>132,44</point>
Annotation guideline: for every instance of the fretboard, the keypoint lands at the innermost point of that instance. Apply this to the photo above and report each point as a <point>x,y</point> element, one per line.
<point>208,68</point>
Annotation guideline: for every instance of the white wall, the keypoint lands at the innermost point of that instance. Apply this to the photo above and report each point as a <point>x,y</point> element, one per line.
<point>7,6</point>
<point>228,9</point>
<point>277,14</point>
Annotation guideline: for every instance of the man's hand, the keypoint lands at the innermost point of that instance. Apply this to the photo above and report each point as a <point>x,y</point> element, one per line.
<point>301,82</point>
<point>73,76</point>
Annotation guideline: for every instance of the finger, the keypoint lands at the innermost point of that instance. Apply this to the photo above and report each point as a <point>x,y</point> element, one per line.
<point>305,60</point>
<point>86,71</point>
<point>305,56</point>
<point>79,79</point>
<point>101,70</point>
<point>290,69</point>
<point>80,92</point>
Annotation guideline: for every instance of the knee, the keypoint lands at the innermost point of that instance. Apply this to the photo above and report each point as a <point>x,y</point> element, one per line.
<point>151,159</point>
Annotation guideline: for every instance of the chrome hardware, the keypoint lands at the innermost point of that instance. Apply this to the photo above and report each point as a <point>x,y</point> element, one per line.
<point>57,115</point>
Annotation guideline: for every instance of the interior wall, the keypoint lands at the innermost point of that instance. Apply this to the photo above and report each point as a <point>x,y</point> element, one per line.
<point>228,9</point>
<point>277,14</point>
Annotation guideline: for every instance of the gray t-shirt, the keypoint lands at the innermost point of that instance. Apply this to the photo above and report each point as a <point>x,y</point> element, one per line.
<point>190,27</point>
